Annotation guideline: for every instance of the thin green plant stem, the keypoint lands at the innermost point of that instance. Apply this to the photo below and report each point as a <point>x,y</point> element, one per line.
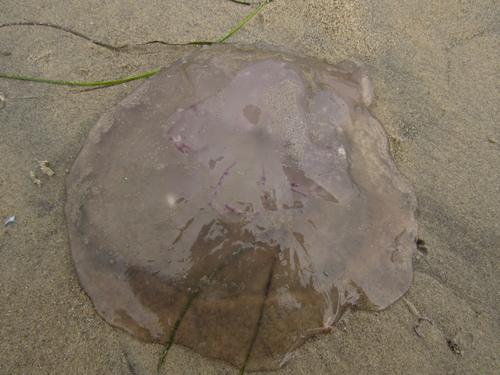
<point>175,328</point>
<point>191,299</point>
<point>118,81</point>
<point>72,83</point>
<point>261,313</point>
<point>257,10</point>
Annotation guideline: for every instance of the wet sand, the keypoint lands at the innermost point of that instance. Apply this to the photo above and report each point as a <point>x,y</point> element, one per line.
<point>435,71</point>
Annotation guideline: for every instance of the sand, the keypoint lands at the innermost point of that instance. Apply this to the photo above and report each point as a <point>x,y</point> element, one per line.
<point>435,68</point>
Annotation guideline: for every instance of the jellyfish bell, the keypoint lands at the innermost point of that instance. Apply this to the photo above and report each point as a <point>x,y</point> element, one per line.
<point>248,191</point>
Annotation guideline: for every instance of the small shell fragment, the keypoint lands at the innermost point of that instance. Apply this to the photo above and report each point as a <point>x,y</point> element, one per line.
<point>9,222</point>
<point>46,170</point>
<point>44,167</point>
<point>35,180</point>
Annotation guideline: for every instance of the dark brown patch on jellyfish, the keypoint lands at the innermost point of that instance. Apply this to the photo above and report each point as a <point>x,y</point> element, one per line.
<point>252,113</point>
<point>252,186</point>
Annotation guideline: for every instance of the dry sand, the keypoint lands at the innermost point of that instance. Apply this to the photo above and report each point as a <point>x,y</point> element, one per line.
<point>434,65</point>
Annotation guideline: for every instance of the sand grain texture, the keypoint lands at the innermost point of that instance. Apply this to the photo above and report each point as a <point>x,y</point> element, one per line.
<point>433,66</point>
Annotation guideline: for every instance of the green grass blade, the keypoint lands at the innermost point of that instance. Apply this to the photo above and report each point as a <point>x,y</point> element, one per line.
<point>257,10</point>
<point>72,83</point>
<point>118,81</point>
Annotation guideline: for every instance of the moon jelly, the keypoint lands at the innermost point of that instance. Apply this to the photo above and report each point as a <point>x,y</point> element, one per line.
<point>241,201</point>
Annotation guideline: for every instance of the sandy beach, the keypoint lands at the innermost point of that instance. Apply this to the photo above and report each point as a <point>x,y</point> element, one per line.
<point>434,67</point>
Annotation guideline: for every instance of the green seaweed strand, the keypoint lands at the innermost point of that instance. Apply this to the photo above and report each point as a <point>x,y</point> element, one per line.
<point>175,328</point>
<point>118,81</point>
<point>244,21</point>
<point>72,83</point>
<point>261,313</point>
<point>191,299</point>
